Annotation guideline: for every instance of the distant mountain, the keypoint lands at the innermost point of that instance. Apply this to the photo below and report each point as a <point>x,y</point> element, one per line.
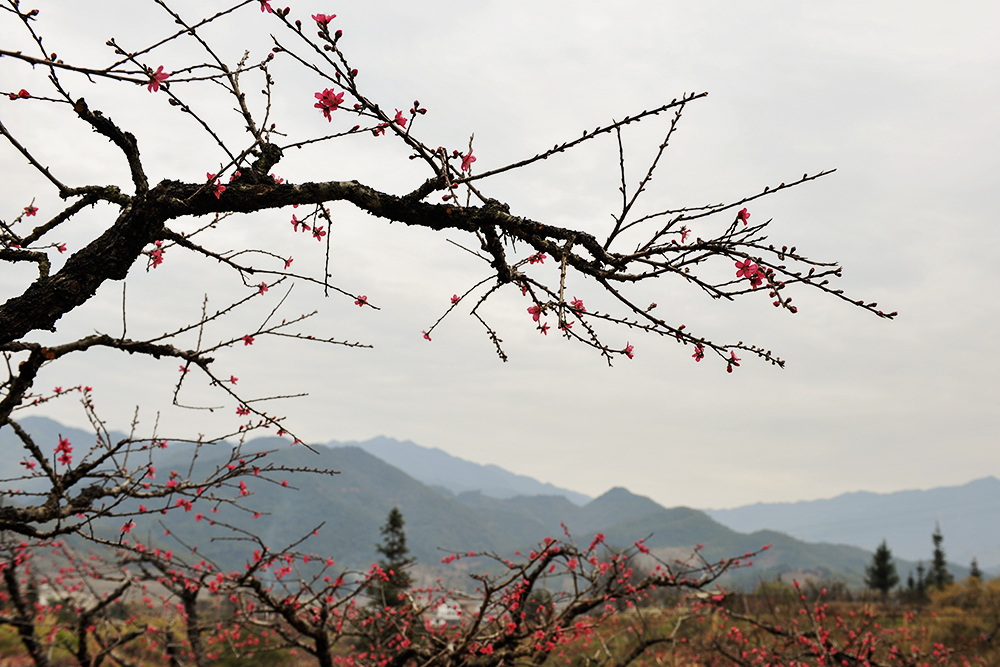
<point>353,505</point>
<point>969,516</point>
<point>435,467</point>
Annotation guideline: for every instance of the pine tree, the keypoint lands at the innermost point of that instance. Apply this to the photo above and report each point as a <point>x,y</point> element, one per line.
<point>881,574</point>
<point>395,563</point>
<point>939,576</point>
<point>974,570</point>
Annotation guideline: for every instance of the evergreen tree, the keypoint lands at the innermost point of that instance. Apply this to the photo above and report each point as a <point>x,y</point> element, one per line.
<point>394,563</point>
<point>921,580</point>
<point>939,576</point>
<point>974,570</point>
<point>881,574</point>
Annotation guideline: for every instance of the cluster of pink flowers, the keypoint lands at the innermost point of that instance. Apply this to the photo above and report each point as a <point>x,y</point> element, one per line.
<point>743,215</point>
<point>400,119</point>
<point>323,19</point>
<point>537,258</point>
<point>329,101</point>
<point>65,451</point>
<point>156,257</point>
<point>699,352</point>
<point>30,211</point>
<point>747,269</point>
<point>361,301</point>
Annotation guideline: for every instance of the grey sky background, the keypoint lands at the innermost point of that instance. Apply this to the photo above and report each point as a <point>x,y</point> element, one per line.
<point>902,98</point>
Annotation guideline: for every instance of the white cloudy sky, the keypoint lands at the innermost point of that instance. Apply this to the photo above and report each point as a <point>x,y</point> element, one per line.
<point>902,98</point>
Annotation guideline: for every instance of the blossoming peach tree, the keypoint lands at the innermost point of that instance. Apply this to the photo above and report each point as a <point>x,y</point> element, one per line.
<point>290,597</point>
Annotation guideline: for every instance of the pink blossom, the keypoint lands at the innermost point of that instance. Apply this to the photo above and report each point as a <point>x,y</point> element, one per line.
<point>455,299</point>
<point>427,336</point>
<point>242,411</point>
<point>64,449</point>
<point>318,233</point>
<point>61,248</point>
<point>219,187</point>
<point>743,215</point>
<point>156,78</point>
<point>233,379</point>
<point>233,176</point>
<point>328,101</point>
<point>30,211</point>
<point>699,353</point>
<point>265,6</point>
<point>288,262</point>
<point>262,288</point>
<point>537,258</point>
<point>247,340</point>
<point>535,312</point>
<point>684,234</point>
<point>296,223</point>
<point>747,269</point>
<point>277,180</point>
<point>399,119</point>
<point>544,328</point>
<point>361,301</point>
<point>23,94</point>
<point>733,361</point>
<point>127,528</point>
<point>184,369</point>
<point>577,305</point>
<point>323,19</point>
<point>628,349</point>
<point>467,161</point>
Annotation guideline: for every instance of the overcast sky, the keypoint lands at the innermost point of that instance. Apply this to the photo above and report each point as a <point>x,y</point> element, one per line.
<point>902,98</point>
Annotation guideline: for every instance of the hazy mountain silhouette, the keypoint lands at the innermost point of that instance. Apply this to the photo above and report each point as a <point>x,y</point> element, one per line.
<point>969,516</point>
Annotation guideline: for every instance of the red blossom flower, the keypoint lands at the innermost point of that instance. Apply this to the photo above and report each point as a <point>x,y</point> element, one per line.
<point>455,299</point>
<point>61,248</point>
<point>64,449</point>
<point>699,353</point>
<point>233,379</point>
<point>296,223</point>
<point>23,94</point>
<point>265,6</point>
<point>262,288</point>
<point>30,211</point>
<point>684,234</point>
<point>733,361</point>
<point>628,349</point>
<point>242,411</point>
<point>247,340</point>
<point>467,161</point>
<point>743,215</point>
<point>127,528</point>
<point>318,233</point>
<point>537,258</point>
<point>535,312</point>
<point>361,301</point>
<point>155,78</point>
<point>323,19</point>
<point>577,305</point>
<point>288,262</point>
<point>399,119</point>
<point>427,336</point>
<point>277,180</point>
<point>156,257</point>
<point>328,101</point>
